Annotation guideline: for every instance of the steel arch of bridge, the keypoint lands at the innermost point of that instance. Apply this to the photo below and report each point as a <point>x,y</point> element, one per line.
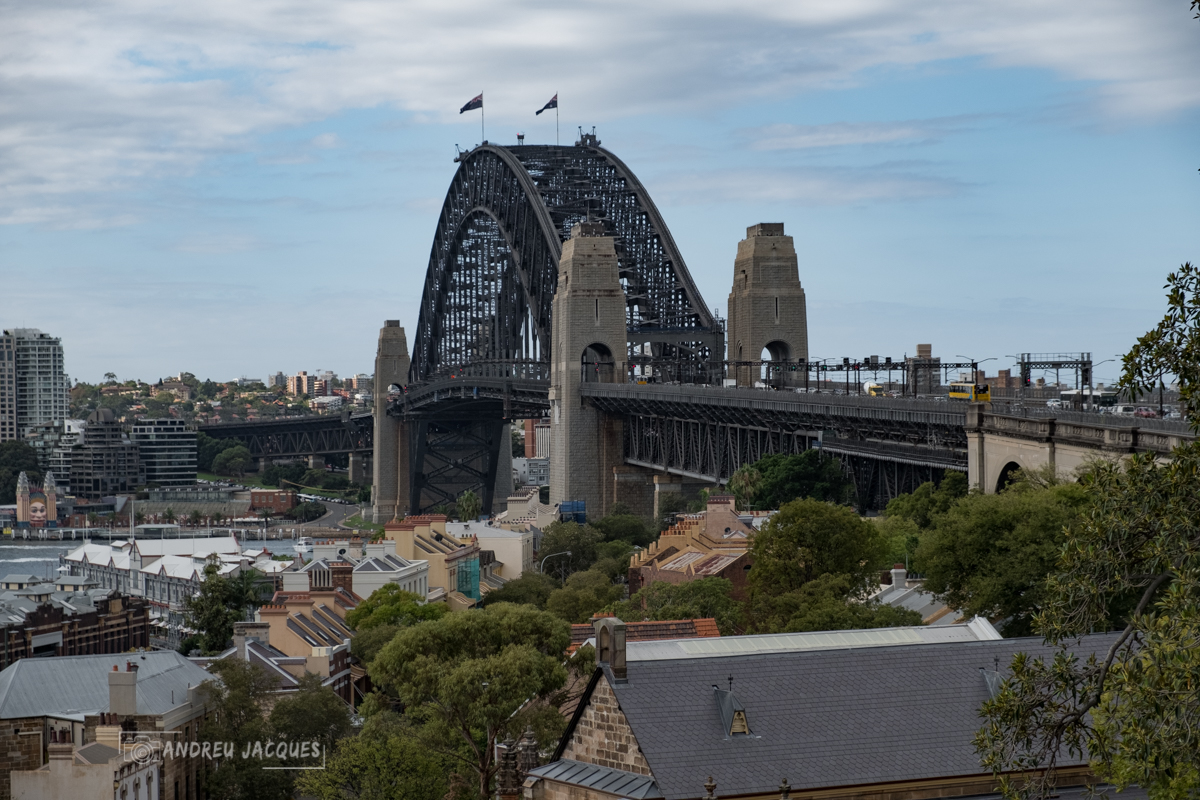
<point>489,287</point>
<point>493,266</point>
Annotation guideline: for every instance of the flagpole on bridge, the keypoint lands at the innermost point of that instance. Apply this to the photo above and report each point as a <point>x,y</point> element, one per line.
<point>556,142</point>
<point>482,117</point>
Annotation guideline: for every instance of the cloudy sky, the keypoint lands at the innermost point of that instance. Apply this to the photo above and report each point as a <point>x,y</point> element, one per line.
<point>236,188</point>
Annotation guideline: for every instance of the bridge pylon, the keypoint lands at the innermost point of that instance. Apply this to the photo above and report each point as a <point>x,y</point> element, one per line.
<point>588,344</point>
<point>390,461</point>
<point>766,305</point>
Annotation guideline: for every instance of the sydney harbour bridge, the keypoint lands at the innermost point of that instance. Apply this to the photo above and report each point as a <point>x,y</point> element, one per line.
<point>482,356</point>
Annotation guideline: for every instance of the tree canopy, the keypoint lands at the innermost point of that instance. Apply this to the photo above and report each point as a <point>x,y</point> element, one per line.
<point>1131,563</point>
<point>989,554</point>
<point>580,540</point>
<point>698,599</point>
<point>461,678</point>
<point>807,541</point>
<point>804,475</point>
<point>391,605</point>
<point>16,457</point>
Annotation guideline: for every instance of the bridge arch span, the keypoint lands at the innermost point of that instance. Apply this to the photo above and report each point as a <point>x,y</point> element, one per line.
<point>493,265</point>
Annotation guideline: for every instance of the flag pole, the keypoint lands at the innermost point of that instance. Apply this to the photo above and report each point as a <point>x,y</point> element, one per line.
<point>556,142</point>
<point>482,117</point>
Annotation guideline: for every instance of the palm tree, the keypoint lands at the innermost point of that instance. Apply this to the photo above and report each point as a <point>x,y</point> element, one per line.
<point>169,516</point>
<point>195,517</point>
<point>249,589</point>
<point>745,484</point>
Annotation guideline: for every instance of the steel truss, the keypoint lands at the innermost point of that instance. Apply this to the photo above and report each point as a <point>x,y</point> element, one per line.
<point>291,438</point>
<point>451,457</point>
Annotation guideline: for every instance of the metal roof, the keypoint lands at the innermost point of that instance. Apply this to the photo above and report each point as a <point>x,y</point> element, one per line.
<point>35,687</point>
<point>603,779</point>
<point>976,630</point>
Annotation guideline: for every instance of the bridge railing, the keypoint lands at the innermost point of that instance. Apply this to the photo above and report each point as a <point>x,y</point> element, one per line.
<point>1094,418</point>
<point>518,369</point>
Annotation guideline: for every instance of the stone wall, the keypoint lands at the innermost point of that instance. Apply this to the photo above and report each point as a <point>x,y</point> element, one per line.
<point>603,735</point>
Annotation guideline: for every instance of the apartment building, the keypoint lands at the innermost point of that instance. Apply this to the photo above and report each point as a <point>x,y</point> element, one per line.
<point>33,386</point>
<point>166,451</point>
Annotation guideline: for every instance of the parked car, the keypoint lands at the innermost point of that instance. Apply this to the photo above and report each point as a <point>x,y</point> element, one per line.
<point>1147,413</point>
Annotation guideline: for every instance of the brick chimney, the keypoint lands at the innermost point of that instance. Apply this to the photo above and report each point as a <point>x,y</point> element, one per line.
<point>122,690</point>
<point>610,645</point>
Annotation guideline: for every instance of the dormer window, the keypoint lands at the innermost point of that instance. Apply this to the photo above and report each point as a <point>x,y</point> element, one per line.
<point>733,714</point>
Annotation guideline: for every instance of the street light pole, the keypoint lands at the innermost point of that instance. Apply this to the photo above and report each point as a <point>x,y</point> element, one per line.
<point>542,566</point>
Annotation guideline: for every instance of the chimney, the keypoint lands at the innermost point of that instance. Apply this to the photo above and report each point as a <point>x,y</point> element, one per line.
<point>899,577</point>
<point>122,690</point>
<point>109,735</point>
<point>62,757</point>
<point>610,646</point>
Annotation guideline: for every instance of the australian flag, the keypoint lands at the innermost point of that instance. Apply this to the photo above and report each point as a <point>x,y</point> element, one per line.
<point>552,104</point>
<point>474,103</point>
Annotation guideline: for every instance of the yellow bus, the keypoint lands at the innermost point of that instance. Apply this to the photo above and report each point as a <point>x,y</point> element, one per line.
<point>971,392</point>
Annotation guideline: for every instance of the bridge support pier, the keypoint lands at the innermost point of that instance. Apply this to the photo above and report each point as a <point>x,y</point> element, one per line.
<point>766,305</point>
<point>589,343</point>
<point>357,472</point>
<point>391,456</point>
<point>633,487</point>
<point>316,461</point>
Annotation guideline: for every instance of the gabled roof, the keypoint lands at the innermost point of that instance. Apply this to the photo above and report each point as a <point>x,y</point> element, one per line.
<point>822,718</point>
<point>35,687</point>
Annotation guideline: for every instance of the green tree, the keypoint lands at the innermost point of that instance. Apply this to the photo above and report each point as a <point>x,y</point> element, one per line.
<point>584,594</point>
<point>232,461</point>
<point>16,457</point>
<point>314,478</point>
<point>1131,563</point>
<point>212,611</point>
<point>312,714</point>
<point>461,678</point>
<point>698,599</point>
<point>391,767</point>
<point>248,590</point>
<point>804,541</point>
<point>468,506</point>
<point>580,540</point>
<point>804,475</point>
<point>235,700</point>
<point>989,554</point>
<point>626,528</point>
<point>195,517</point>
<point>829,603</point>
<point>922,505</point>
<point>746,483</point>
<point>391,605</point>
<point>207,449</point>
<point>809,538</point>
<point>169,514</point>
<point>532,588</point>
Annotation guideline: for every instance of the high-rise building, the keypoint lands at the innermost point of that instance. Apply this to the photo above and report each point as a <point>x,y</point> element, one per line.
<point>301,383</point>
<point>166,451</point>
<point>278,379</point>
<point>8,388</point>
<point>41,390</point>
<point>107,461</point>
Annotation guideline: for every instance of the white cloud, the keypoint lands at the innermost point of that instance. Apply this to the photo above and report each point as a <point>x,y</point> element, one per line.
<point>838,134</point>
<point>97,97</point>
<point>326,141</point>
<point>808,186</point>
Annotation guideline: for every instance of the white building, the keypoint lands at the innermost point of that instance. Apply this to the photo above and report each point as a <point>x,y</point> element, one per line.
<point>514,550</point>
<point>372,566</point>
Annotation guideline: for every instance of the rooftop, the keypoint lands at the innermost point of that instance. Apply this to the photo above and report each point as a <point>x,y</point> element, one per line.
<point>78,685</point>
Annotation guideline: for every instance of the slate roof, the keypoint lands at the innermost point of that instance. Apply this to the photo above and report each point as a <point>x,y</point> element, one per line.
<point>822,718</point>
<point>76,685</point>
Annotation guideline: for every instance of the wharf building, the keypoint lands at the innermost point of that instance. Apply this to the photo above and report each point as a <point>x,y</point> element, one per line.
<point>34,389</point>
